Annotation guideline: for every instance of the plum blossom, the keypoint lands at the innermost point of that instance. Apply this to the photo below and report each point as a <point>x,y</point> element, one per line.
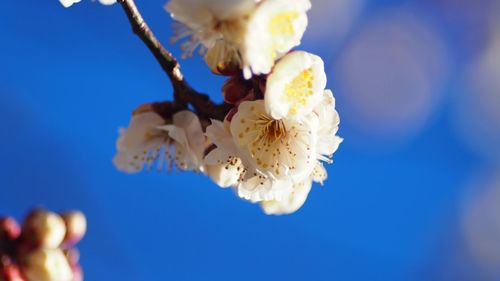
<point>273,29</point>
<point>149,139</point>
<point>295,86</point>
<point>243,34</point>
<point>69,3</point>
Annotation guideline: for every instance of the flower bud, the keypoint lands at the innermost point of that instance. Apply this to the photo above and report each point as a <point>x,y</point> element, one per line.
<point>9,228</point>
<point>76,226</point>
<point>236,90</point>
<point>73,256</point>
<point>47,265</point>
<point>77,272</point>
<point>10,272</point>
<point>44,229</point>
<point>223,60</point>
<point>226,174</point>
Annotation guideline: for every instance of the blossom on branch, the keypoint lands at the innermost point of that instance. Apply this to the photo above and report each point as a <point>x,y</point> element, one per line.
<point>245,34</point>
<point>277,128</point>
<point>150,140</point>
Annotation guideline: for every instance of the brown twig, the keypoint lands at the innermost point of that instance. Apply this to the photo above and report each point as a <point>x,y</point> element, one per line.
<point>183,93</point>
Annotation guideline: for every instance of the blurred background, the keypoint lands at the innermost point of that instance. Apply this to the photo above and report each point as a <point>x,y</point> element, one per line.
<point>414,193</point>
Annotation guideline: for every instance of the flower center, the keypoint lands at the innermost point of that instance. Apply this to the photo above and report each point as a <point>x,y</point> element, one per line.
<point>271,130</point>
<point>282,23</point>
<point>299,89</point>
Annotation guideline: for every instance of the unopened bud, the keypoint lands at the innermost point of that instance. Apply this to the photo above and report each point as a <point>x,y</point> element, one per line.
<point>9,228</point>
<point>77,272</point>
<point>222,60</point>
<point>76,226</point>
<point>10,272</point>
<point>44,229</point>
<point>73,255</point>
<point>236,90</point>
<point>47,265</point>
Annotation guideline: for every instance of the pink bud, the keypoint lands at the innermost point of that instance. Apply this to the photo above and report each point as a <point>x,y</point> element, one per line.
<point>10,272</point>
<point>73,255</point>
<point>9,228</point>
<point>77,272</point>
<point>236,89</point>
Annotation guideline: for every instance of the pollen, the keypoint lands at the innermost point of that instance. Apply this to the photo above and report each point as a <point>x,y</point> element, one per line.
<point>282,23</point>
<point>299,90</point>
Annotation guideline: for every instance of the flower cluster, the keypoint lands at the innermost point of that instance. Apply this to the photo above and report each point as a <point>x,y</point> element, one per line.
<point>282,124</point>
<point>42,249</point>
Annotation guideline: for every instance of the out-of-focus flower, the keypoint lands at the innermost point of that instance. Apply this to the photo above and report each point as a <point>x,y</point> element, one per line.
<point>481,222</point>
<point>38,253</point>
<point>44,229</point>
<point>392,83</point>
<point>10,272</point>
<point>76,227</point>
<point>340,16</point>
<point>243,34</point>
<point>273,29</point>
<point>295,86</point>
<point>69,3</point>
<point>149,138</point>
<point>9,229</point>
<point>203,23</point>
<point>477,112</point>
<point>107,2</point>
<point>47,265</point>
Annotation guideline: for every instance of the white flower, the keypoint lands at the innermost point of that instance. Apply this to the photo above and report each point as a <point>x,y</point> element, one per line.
<point>69,3</point>
<point>222,164</point>
<point>241,173</point>
<point>149,139</point>
<point>204,22</point>
<point>47,265</point>
<point>273,29</point>
<point>107,2</point>
<point>289,203</point>
<point>278,148</point>
<point>328,141</point>
<point>296,85</point>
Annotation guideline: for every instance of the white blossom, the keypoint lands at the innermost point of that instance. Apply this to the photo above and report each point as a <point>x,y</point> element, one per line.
<point>69,3</point>
<point>277,148</point>
<point>274,154</point>
<point>328,141</point>
<point>272,30</point>
<point>250,34</point>
<point>150,139</point>
<point>205,22</point>
<point>295,86</point>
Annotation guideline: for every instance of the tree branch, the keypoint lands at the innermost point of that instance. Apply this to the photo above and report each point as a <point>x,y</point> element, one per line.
<point>183,93</point>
